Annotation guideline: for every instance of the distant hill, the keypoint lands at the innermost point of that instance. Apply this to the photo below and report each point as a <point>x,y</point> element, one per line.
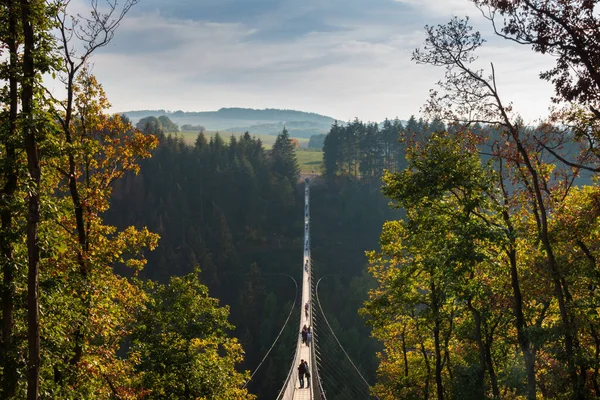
<point>268,121</point>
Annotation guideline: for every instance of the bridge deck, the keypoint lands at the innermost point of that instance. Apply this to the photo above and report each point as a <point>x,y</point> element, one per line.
<point>292,390</point>
<point>304,351</point>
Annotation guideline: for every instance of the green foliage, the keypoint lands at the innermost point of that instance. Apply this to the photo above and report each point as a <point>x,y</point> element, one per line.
<point>435,291</point>
<point>365,150</point>
<point>153,126</point>
<point>167,125</point>
<point>283,157</point>
<point>181,344</point>
<point>316,141</point>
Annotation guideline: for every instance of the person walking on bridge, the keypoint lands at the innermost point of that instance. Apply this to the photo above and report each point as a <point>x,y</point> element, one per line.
<point>307,373</point>
<point>301,372</point>
<point>304,332</point>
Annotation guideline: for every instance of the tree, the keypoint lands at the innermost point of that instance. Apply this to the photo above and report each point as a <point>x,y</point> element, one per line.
<point>10,176</point>
<point>283,156</point>
<point>91,32</point>
<point>150,126</point>
<point>182,345</point>
<point>106,149</point>
<point>35,27</point>
<point>168,125</point>
<point>469,96</point>
<point>434,266</point>
<point>332,151</point>
<point>316,141</point>
<point>566,30</point>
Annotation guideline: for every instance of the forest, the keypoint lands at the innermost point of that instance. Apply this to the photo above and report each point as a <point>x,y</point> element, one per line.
<point>456,252</point>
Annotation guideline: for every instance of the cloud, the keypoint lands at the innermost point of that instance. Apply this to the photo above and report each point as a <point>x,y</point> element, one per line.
<point>441,8</point>
<point>345,58</point>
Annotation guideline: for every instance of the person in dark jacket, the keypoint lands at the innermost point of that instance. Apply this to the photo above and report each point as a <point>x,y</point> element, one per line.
<point>304,334</point>
<point>301,372</point>
<point>307,374</point>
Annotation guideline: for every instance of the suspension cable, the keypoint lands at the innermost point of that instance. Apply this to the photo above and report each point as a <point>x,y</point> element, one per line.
<point>328,367</point>
<point>280,332</point>
<point>335,337</point>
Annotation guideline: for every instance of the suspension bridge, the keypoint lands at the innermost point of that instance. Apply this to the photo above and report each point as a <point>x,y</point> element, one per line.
<point>324,377</point>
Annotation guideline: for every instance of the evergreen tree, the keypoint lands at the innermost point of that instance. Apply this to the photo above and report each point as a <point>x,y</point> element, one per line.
<point>332,151</point>
<point>283,157</point>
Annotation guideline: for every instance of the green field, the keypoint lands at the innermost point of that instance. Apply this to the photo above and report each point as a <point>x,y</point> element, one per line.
<point>309,161</point>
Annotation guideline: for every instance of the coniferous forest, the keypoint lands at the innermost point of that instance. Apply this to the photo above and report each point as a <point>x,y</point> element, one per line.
<point>456,252</point>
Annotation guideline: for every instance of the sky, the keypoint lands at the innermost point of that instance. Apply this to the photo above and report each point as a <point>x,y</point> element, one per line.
<point>341,58</point>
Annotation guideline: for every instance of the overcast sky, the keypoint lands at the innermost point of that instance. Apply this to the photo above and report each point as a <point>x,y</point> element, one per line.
<point>342,58</point>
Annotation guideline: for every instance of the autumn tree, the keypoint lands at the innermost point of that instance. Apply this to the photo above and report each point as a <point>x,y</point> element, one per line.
<point>566,30</point>
<point>467,95</point>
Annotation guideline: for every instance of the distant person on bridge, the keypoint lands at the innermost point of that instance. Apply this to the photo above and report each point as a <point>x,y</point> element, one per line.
<point>304,334</point>
<point>301,372</point>
<point>307,374</point>
<point>306,309</point>
<point>308,337</point>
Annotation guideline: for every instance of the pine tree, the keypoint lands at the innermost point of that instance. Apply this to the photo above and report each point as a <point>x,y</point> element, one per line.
<point>283,156</point>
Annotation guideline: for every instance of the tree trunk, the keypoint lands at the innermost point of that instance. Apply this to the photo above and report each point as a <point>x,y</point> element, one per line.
<point>479,341</point>
<point>490,366</point>
<point>426,358</point>
<point>404,351</point>
<point>522,338</point>
<point>596,360</point>
<point>33,212</point>
<point>570,331</point>
<point>9,362</point>
<point>520,324</point>
<point>438,361</point>
<point>593,332</point>
<point>78,211</point>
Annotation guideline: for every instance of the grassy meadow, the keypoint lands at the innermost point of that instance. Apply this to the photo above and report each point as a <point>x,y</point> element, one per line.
<point>309,160</point>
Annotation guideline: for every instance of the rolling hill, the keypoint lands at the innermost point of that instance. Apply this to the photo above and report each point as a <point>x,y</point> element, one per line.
<point>267,121</point>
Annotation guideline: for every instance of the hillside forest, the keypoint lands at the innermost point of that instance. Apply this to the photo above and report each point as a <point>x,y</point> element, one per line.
<point>456,251</point>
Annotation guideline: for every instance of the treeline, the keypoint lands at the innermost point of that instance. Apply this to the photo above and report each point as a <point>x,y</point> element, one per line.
<point>192,128</point>
<point>365,150</point>
<point>487,287</point>
<point>208,197</point>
